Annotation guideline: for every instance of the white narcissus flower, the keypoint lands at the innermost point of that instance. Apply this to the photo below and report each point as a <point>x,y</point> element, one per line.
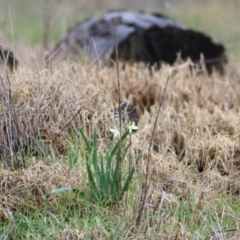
<point>132,127</point>
<point>115,132</point>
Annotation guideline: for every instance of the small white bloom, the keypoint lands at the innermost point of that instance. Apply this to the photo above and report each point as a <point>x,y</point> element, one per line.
<point>115,132</point>
<point>132,127</point>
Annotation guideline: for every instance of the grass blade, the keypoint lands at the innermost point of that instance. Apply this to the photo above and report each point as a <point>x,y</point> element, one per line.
<point>60,190</point>
<point>88,146</point>
<point>117,145</point>
<point>129,178</point>
<point>93,186</point>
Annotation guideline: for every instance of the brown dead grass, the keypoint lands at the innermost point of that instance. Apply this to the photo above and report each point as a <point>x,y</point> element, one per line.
<point>196,145</point>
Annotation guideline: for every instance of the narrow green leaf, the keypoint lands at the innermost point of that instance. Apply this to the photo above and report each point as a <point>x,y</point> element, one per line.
<point>108,172</point>
<point>125,150</point>
<point>103,176</point>
<point>94,149</point>
<point>95,161</point>
<point>60,190</point>
<point>117,145</point>
<point>92,184</point>
<point>88,145</point>
<point>116,176</point>
<point>129,178</point>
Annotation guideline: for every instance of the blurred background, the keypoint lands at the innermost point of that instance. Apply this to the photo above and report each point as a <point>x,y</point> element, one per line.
<point>31,24</point>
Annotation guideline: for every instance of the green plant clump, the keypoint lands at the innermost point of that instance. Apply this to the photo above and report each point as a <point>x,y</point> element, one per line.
<point>107,183</point>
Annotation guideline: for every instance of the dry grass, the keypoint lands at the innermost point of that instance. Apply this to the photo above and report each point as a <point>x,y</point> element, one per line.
<point>195,149</point>
<point>195,157</point>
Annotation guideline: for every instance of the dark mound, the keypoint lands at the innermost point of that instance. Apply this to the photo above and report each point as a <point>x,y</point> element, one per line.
<point>141,37</point>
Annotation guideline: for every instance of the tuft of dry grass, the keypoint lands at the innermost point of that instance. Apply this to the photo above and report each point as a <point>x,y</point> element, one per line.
<point>28,188</point>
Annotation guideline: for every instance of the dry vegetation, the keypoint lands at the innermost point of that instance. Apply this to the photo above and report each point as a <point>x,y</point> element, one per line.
<point>194,158</point>
<point>194,168</point>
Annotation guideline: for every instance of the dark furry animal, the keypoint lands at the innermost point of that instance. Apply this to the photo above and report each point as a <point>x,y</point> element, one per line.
<point>141,37</point>
<point>7,57</point>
